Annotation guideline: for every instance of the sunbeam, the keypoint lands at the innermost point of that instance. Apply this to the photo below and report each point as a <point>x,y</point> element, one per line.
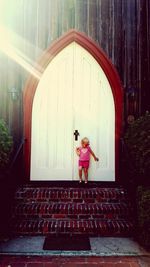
<point>15,54</point>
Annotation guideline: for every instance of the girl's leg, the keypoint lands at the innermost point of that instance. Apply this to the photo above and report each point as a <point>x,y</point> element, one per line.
<point>80,174</point>
<point>86,174</point>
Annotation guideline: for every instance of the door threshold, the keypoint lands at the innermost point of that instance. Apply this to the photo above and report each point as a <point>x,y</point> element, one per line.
<point>72,184</point>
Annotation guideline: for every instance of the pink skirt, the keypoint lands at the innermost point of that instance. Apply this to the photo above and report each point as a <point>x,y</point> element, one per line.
<point>83,164</point>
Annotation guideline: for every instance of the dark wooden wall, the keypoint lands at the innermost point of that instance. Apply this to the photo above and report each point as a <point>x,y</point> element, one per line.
<point>120,27</point>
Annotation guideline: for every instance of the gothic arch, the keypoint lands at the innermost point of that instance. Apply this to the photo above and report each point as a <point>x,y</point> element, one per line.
<point>42,63</point>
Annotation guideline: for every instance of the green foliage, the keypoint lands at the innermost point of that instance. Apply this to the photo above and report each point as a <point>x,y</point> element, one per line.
<point>143,214</point>
<point>137,156</point>
<point>5,145</point>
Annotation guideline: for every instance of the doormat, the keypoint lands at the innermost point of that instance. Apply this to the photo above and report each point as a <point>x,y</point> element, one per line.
<point>67,243</point>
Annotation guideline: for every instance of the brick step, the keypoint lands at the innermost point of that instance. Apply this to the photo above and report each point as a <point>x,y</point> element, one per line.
<point>72,210</point>
<point>97,211</point>
<point>71,194</point>
<point>89,227</point>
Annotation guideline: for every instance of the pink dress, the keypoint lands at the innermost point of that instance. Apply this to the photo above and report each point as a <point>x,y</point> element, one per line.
<point>84,157</point>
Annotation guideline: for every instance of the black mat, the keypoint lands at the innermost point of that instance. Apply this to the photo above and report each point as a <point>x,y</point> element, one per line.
<point>67,243</point>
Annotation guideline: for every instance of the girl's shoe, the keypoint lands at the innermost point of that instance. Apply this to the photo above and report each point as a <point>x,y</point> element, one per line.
<point>80,181</point>
<point>86,182</point>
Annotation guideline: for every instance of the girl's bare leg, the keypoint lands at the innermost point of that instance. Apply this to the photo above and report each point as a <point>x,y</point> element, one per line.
<point>86,174</point>
<point>80,174</point>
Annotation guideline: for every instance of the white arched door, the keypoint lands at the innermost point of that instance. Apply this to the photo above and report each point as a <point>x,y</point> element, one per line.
<point>73,94</point>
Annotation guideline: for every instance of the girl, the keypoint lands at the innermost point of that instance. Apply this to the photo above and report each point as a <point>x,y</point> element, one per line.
<point>84,158</point>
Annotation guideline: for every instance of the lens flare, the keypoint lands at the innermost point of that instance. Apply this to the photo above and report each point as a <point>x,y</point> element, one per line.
<point>15,54</point>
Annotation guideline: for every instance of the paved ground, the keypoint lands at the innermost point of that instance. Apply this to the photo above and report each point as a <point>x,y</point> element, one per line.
<point>59,261</point>
<point>105,252</point>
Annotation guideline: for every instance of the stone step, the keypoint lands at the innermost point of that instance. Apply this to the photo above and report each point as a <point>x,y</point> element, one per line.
<point>80,195</point>
<point>90,227</point>
<point>72,210</point>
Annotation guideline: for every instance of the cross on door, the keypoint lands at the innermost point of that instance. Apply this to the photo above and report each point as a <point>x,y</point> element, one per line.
<point>76,134</point>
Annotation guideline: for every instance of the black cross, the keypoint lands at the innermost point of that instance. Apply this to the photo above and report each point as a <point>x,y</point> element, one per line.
<point>76,133</point>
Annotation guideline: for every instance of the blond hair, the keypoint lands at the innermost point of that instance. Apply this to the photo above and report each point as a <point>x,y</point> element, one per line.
<point>85,140</point>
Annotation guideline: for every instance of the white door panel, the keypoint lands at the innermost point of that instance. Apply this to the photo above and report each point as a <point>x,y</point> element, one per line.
<point>94,114</point>
<point>51,156</point>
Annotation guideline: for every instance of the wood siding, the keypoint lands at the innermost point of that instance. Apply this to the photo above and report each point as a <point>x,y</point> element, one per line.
<point>120,27</point>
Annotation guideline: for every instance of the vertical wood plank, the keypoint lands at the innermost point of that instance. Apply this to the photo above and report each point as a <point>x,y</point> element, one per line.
<point>81,11</point>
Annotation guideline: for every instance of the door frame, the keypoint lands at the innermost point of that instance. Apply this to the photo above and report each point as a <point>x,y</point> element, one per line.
<point>41,65</point>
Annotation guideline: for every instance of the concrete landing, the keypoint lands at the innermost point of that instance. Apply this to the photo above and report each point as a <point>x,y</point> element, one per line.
<point>101,246</point>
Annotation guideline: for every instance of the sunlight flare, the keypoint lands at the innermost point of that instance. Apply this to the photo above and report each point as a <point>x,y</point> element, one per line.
<point>15,54</point>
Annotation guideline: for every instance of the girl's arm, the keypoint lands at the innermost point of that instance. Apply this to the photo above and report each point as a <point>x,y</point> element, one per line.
<point>92,153</point>
<point>77,151</point>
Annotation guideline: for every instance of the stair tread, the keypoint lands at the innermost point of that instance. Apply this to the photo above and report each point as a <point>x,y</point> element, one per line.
<point>70,207</point>
<point>70,193</point>
<point>98,227</point>
<point>101,189</point>
<point>50,219</point>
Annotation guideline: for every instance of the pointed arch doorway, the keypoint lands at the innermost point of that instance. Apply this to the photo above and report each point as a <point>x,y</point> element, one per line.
<point>79,90</point>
